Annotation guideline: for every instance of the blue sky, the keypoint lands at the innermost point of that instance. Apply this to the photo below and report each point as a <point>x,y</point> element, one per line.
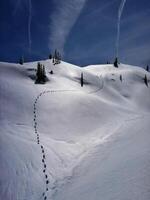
<point>84,31</point>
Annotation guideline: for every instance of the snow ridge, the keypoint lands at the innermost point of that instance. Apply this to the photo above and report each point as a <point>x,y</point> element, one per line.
<point>88,142</point>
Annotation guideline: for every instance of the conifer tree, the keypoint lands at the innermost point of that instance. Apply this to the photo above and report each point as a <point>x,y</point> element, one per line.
<point>51,72</point>
<point>21,61</point>
<point>58,61</point>
<point>53,60</point>
<point>55,54</point>
<point>121,78</point>
<point>39,73</point>
<point>56,57</point>
<point>81,80</point>
<point>147,68</point>
<point>50,56</point>
<point>146,81</point>
<point>59,58</point>
<point>116,63</point>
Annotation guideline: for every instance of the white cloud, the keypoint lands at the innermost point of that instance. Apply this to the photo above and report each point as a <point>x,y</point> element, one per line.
<point>62,21</point>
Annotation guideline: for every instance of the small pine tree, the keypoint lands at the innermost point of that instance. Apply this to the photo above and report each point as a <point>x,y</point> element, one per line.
<point>56,58</point>
<point>59,58</point>
<point>147,68</point>
<point>81,80</point>
<point>121,78</point>
<point>21,61</point>
<point>53,61</point>
<point>55,54</point>
<point>116,63</point>
<point>50,56</point>
<point>51,72</point>
<point>39,73</point>
<point>146,81</point>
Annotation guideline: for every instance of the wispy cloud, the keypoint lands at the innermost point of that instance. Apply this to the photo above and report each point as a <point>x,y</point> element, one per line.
<point>136,53</point>
<point>134,45</point>
<point>120,11</point>
<point>19,4</point>
<point>29,24</point>
<point>100,10</point>
<point>62,21</point>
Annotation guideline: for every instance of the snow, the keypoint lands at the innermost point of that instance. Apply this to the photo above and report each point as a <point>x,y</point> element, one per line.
<point>95,139</point>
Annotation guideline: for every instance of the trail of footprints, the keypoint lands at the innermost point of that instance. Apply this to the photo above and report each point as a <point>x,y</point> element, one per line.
<point>42,148</point>
<point>43,160</point>
<point>39,142</point>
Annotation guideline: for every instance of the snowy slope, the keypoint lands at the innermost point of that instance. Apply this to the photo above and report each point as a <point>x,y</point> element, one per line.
<point>61,141</point>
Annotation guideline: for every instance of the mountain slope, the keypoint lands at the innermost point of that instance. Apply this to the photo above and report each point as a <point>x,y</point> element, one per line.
<point>91,141</point>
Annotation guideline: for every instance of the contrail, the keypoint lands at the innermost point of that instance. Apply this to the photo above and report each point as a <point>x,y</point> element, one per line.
<point>17,5</point>
<point>29,25</point>
<point>120,11</point>
<point>27,4</point>
<point>62,21</point>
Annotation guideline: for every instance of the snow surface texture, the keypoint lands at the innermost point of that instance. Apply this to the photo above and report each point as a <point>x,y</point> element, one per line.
<point>59,141</point>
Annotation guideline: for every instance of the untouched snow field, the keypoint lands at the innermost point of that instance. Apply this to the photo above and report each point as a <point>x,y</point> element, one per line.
<point>59,141</point>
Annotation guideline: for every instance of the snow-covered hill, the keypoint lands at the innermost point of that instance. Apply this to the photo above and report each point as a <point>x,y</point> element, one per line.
<point>59,141</point>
